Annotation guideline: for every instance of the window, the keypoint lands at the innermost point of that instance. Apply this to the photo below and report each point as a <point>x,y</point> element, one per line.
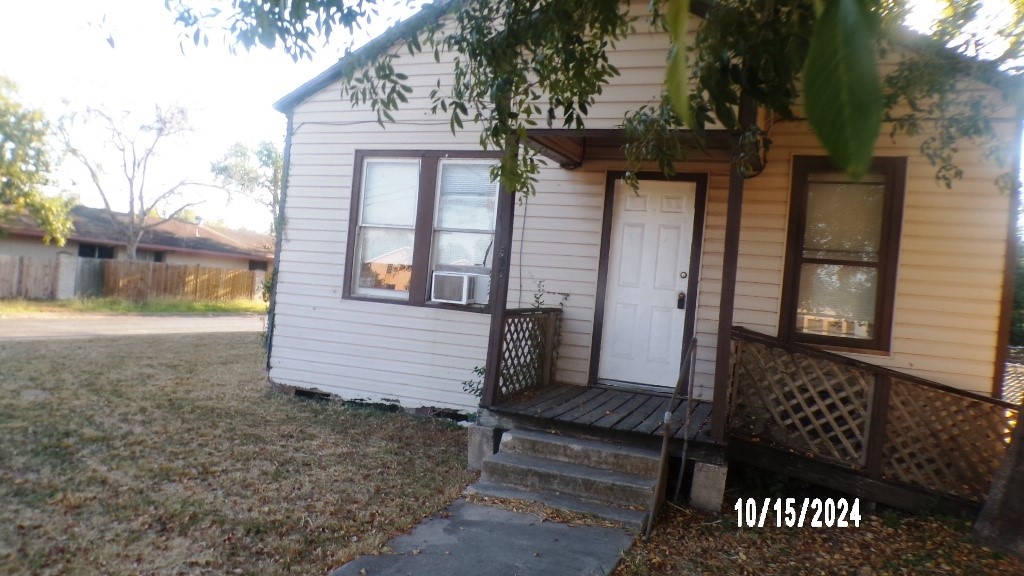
<point>417,214</point>
<point>95,251</point>
<point>150,256</point>
<point>842,251</point>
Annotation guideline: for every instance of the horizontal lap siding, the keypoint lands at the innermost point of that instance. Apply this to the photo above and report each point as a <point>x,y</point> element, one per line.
<point>561,249</point>
<point>950,273</point>
<point>369,351</point>
<point>322,341</point>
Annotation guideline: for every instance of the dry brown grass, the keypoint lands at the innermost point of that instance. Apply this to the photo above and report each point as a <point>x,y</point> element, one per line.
<point>167,455</point>
<point>690,543</point>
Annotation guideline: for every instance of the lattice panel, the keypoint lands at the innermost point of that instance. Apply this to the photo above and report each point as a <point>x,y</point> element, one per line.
<point>529,351</point>
<point>521,359</point>
<point>944,442</point>
<point>810,405</point>
<point>1013,382</point>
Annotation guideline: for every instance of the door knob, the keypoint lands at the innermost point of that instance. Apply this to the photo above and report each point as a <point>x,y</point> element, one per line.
<point>681,301</point>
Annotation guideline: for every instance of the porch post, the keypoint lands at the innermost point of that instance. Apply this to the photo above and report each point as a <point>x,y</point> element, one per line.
<point>499,293</point>
<point>730,258</point>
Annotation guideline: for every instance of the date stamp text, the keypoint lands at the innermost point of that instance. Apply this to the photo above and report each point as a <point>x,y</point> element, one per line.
<point>797,512</point>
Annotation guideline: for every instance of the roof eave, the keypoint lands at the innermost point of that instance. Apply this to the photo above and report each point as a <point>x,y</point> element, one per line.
<point>379,45</point>
<point>365,54</point>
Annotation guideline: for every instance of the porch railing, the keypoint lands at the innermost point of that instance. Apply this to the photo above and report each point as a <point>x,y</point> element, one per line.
<point>529,346</point>
<point>881,423</point>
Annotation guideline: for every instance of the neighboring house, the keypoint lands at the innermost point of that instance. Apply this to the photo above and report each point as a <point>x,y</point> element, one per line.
<point>173,242</point>
<point>904,277</point>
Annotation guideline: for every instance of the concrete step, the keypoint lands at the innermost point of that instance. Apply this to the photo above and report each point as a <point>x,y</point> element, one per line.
<point>608,487</point>
<point>630,518</point>
<point>593,453</point>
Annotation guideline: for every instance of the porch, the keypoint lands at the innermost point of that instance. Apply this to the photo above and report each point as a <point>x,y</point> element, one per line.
<point>609,409</point>
<point>525,392</point>
<point>873,432</point>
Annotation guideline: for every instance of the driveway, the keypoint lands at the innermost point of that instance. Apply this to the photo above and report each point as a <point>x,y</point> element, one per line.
<point>58,326</point>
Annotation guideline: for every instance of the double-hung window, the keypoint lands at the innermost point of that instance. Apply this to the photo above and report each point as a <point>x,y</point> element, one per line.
<point>422,228</point>
<point>843,247</point>
<point>387,227</point>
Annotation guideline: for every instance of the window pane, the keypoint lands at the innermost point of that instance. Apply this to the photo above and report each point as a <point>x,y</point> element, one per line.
<point>467,197</point>
<point>844,220</point>
<point>390,189</point>
<point>463,249</point>
<point>385,261</point>
<point>837,300</point>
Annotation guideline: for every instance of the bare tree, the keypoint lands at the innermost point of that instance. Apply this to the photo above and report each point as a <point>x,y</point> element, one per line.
<point>135,146</point>
<point>254,173</point>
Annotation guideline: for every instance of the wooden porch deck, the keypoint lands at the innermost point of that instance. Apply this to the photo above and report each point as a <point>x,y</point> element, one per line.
<point>611,409</point>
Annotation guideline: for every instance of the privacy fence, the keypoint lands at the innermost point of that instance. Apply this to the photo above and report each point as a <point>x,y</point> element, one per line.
<point>68,276</point>
<point>22,277</point>
<point>147,280</point>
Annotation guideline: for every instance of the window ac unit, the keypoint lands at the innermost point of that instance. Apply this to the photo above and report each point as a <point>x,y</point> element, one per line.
<point>460,288</point>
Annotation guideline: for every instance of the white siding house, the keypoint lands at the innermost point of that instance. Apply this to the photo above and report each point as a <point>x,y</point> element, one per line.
<point>332,332</point>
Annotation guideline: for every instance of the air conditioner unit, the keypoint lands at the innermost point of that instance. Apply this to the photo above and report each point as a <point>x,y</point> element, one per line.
<point>460,288</point>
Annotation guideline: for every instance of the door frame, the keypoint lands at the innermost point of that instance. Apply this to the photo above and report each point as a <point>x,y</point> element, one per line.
<point>697,242</point>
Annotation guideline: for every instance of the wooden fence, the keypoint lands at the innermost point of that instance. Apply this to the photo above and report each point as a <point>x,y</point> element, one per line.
<point>882,424</point>
<point>148,280</point>
<point>23,277</point>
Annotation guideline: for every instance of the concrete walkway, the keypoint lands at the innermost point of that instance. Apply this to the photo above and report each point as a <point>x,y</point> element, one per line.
<point>474,540</point>
<point>59,326</point>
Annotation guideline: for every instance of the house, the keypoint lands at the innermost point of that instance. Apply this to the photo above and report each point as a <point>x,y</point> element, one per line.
<point>173,242</point>
<point>202,262</point>
<point>858,323</point>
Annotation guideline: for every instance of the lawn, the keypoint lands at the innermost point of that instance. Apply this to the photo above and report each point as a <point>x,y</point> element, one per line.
<point>168,455</point>
<point>120,306</point>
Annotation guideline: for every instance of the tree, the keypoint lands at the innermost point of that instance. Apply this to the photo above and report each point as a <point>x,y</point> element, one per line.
<point>522,62</point>
<point>25,167</point>
<point>254,173</point>
<point>519,63</point>
<point>134,146</point>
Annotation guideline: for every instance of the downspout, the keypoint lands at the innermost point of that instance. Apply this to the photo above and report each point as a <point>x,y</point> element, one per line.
<point>279,227</point>
<point>1009,267</point>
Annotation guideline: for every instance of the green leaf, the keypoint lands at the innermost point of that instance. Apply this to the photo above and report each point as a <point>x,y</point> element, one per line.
<point>843,96</point>
<point>677,73</point>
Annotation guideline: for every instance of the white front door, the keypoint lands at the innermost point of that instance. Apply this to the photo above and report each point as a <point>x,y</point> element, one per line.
<point>648,263</point>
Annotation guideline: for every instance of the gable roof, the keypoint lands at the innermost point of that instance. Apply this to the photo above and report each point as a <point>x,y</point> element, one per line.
<point>362,56</point>
<point>365,54</point>
<point>93,225</point>
<point>430,13</point>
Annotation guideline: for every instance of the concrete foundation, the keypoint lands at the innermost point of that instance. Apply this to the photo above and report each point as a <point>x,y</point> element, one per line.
<point>483,442</point>
<point>708,487</point>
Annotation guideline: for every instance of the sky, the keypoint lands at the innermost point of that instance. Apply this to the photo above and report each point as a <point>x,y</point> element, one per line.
<point>56,51</point>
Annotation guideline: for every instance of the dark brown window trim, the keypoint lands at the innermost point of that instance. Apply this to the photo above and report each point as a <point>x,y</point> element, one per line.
<point>894,170</point>
<point>697,240</point>
<point>423,235</point>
